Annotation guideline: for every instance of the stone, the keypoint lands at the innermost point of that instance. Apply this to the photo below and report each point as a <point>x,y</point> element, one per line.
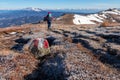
<point>39,47</point>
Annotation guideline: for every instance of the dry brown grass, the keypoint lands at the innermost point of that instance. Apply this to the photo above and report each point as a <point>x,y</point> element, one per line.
<point>109,24</point>
<point>24,64</point>
<point>69,39</point>
<point>6,52</point>
<point>33,27</point>
<point>26,28</point>
<point>67,19</point>
<point>105,24</point>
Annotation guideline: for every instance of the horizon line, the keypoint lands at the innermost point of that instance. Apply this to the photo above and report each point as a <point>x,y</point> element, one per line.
<point>55,8</point>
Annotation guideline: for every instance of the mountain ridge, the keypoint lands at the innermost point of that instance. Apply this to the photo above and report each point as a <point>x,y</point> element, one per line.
<point>110,15</point>
<point>34,15</point>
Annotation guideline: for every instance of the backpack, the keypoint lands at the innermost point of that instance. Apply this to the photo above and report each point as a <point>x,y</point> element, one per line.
<point>48,18</point>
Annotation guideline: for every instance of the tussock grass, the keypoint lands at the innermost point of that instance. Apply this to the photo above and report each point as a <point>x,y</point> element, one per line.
<point>109,24</point>
<point>18,66</point>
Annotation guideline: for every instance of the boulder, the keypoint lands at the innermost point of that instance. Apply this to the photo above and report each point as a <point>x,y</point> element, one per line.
<point>39,47</point>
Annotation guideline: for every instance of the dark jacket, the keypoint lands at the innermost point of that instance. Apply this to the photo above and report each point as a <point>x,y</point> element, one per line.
<point>48,18</point>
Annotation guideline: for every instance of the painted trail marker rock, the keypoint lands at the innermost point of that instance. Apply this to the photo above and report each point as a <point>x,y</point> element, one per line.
<point>39,47</point>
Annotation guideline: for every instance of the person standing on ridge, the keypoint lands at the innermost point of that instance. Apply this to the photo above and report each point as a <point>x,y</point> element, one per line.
<point>48,18</point>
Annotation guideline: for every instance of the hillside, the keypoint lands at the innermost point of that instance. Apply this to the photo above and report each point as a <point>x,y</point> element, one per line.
<point>111,16</point>
<point>34,15</point>
<point>78,17</point>
<point>23,16</point>
<point>78,52</point>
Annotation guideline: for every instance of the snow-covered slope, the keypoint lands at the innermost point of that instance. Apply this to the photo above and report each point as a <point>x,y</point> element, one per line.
<point>96,18</point>
<point>89,19</point>
<point>112,11</point>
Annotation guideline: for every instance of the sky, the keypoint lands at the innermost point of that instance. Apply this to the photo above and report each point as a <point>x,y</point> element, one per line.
<point>59,4</point>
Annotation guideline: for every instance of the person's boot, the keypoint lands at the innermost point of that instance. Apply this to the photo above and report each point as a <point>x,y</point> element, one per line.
<point>49,29</point>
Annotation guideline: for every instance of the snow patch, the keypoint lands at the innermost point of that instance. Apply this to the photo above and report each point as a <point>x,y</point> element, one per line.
<point>93,17</point>
<point>116,12</point>
<point>103,15</point>
<point>98,16</point>
<point>80,19</point>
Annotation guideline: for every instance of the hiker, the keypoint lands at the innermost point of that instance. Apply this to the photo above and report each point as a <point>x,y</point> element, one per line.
<point>48,18</point>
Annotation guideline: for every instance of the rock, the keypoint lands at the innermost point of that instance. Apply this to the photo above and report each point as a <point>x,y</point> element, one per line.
<point>112,51</point>
<point>12,33</point>
<point>30,32</point>
<point>39,47</point>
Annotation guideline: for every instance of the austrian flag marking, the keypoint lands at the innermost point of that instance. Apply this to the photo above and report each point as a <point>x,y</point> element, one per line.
<point>40,47</point>
<point>41,43</point>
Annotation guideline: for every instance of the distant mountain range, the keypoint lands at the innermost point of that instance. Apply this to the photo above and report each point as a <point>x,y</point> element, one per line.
<point>34,15</point>
<point>23,16</point>
<point>33,9</point>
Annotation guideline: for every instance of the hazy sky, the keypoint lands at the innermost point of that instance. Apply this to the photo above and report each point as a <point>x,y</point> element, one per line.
<point>102,4</point>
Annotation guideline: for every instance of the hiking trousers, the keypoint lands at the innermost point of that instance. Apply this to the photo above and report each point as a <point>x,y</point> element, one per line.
<point>49,24</point>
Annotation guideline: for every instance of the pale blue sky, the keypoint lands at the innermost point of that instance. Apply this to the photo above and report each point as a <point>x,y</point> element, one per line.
<point>101,4</point>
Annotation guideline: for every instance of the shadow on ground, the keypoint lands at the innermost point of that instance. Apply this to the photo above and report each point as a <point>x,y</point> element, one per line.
<point>104,56</point>
<point>50,68</point>
<point>20,44</point>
